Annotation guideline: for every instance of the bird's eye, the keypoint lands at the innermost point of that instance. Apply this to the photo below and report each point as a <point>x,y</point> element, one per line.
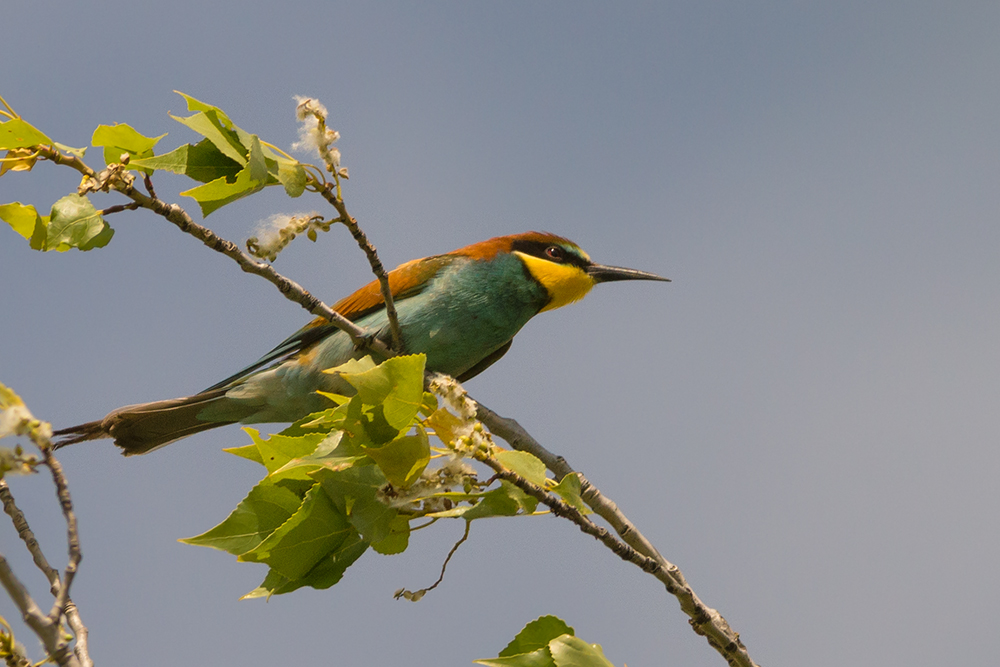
<point>555,253</point>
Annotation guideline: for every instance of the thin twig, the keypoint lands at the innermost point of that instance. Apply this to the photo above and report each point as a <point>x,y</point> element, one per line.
<point>147,180</point>
<point>376,264</point>
<point>46,628</point>
<point>635,548</point>
<point>414,596</point>
<point>28,537</point>
<point>179,217</point>
<point>118,208</point>
<point>704,620</point>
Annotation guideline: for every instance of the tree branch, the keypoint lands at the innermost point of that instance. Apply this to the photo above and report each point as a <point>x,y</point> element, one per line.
<point>47,629</point>
<point>179,217</point>
<point>705,621</point>
<point>633,547</point>
<point>376,264</point>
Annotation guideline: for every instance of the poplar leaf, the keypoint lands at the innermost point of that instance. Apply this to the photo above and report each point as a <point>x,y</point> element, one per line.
<point>268,505</point>
<point>313,531</point>
<point>202,162</point>
<point>75,223</point>
<point>16,133</point>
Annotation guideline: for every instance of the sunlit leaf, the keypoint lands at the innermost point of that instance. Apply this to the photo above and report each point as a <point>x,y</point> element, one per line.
<point>26,222</point>
<point>202,162</point>
<point>508,500</point>
<point>398,538</point>
<point>569,490</point>
<point>315,530</point>
<point>209,125</point>
<point>539,658</point>
<point>215,194</point>
<point>355,492</point>
<point>292,175</point>
<point>268,505</point>
<point>402,460</point>
<point>528,466</point>
<point>277,450</point>
<point>569,651</point>
<point>446,426</point>
<point>537,634</point>
<point>397,384</point>
<point>18,159</point>
<point>122,138</point>
<point>78,152</point>
<point>75,223</point>
<point>256,162</point>
<point>249,452</point>
<point>16,133</point>
<point>327,572</point>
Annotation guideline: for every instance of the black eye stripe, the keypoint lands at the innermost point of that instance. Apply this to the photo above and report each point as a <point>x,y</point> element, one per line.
<point>541,249</point>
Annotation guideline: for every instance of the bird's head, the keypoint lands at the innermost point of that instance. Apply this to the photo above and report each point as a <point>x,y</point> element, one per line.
<point>562,267</point>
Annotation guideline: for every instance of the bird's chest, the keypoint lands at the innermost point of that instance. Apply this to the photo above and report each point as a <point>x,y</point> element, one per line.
<point>467,314</point>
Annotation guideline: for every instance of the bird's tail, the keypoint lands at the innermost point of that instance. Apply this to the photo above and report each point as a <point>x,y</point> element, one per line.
<point>141,428</point>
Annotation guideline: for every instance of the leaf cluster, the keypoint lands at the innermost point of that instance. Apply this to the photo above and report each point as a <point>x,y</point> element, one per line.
<point>357,476</point>
<point>229,163</point>
<point>548,642</point>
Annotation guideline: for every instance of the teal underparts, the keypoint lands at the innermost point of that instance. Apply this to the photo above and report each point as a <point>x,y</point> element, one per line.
<point>467,311</point>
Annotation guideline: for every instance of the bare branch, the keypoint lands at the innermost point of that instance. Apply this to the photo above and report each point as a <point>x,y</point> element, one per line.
<point>704,620</point>
<point>28,537</point>
<point>48,630</point>
<point>373,260</point>
<point>633,547</point>
<point>118,208</point>
<point>179,217</point>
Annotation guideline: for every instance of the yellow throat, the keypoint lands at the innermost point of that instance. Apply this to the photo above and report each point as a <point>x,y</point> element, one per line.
<point>565,283</point>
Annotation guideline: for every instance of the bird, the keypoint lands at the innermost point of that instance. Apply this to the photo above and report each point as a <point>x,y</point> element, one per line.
<point>461,309</point>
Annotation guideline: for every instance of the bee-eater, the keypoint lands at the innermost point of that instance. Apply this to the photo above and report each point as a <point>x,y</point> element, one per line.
<point>461,309</point>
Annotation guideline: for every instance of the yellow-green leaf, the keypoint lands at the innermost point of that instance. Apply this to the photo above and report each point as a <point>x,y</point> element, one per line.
<point>16,133</point>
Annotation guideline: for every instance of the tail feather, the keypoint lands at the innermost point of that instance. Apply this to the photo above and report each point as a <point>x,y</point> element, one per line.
<point>141,428</point>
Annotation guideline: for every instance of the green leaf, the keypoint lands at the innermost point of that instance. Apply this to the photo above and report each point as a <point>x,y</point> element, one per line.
<point>16,133</point>
<point>277,450</point>
<point>403,460</point>
<point>539,658</point>
<point>202,162</point>
<point>446,426</point>
<point>528,466</point>
<point>568,651</point>
<point>324,574</point>
<point>216,194</point>
<point>122,138</point>
<point>353,366</point>
<point>315,530</point>
<point>26,222</point>
<point>508,500</point>
<point>197,105</point>
<point>355,491</point>
<point>397,384</point>
<point>292,175</point>
<point>569,490</point>
<point>249,452</point>
<point>78,152</point>
<point>75,223</point>
<point>210,125</point>
<point>398,538</point>
<point>268,505</point>
<point>256,163</point>
<point>537,634</point>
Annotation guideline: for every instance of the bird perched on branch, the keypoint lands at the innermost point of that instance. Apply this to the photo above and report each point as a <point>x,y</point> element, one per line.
<point>462,309</point>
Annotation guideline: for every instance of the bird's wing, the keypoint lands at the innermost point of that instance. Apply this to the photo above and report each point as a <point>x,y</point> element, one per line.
<point>406,280</point>
<point>485,362</point>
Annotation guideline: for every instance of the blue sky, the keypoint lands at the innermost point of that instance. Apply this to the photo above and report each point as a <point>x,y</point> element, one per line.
<point>804,421</point>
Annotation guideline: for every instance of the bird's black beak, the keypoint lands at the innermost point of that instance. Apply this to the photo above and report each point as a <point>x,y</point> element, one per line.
<point>607,274</point>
